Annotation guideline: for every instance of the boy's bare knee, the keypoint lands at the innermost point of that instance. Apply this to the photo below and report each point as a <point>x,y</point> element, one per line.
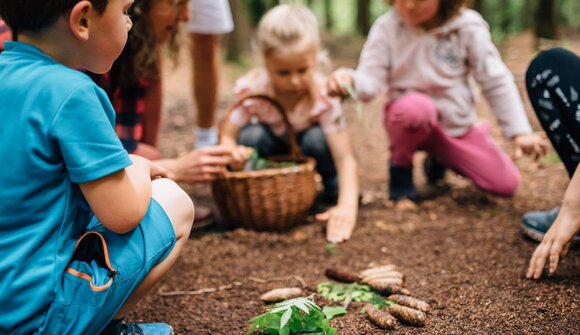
<point>176,203</point>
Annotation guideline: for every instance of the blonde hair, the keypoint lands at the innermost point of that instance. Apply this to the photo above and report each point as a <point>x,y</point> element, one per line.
<point>287,27</point>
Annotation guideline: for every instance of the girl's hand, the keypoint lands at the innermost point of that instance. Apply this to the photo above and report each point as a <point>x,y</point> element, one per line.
<point>240,154</point>
<point>336,83</point>
<point>533,144</point>
<point>340,223</point>
<point>554,246</point>
<point>201,165</point>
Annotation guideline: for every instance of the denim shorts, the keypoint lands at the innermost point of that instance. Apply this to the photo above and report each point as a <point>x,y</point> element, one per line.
<point>104,270</point>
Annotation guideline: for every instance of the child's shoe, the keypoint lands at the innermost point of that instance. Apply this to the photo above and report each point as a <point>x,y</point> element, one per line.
<point>401,183</point>
<point>434,170</point>
<point>535,224</point>
<point>120,327</point>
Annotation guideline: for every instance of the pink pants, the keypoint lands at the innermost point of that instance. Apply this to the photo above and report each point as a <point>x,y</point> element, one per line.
<point>411,123</point>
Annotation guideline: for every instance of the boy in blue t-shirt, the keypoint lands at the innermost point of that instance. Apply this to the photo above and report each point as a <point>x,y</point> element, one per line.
<point>84,231</point>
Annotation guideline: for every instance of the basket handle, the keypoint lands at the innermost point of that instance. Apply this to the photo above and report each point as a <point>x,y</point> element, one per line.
<point>294,148</point>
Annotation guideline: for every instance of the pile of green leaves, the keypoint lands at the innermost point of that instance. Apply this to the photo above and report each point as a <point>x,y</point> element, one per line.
<point>256,163</point>
<point>346,293</point>
<point>296,316</point>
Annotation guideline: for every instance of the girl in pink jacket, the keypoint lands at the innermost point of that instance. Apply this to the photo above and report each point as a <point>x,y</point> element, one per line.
<point>428,55</point>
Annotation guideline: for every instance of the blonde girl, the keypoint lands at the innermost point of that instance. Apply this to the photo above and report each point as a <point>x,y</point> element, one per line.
<point>427,54</point>
<point>289,43</point>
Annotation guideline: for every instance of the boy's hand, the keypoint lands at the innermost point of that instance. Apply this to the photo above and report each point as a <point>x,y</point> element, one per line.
<point>534,145</point>
<point>554,246</point>
<point>340,223</point>
<point>157,171</point>
<point>336,83</point>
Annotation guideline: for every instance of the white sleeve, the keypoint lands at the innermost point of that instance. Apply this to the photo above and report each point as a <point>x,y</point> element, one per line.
<point>496,82</point>
<point>370,77</point>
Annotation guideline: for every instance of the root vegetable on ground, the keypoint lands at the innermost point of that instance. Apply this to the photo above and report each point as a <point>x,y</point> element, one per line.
<point>341,274</point>
<point>392,289</point>
<point>379,283</point>
<point>280,294</point>
<point>408,315</point>
<point>410,302</point>
<point>386,274</point>
<point>380,318</point>
<point>382,268</point>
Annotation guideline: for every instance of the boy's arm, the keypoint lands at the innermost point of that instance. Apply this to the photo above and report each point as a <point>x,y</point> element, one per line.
<point>120,200</point>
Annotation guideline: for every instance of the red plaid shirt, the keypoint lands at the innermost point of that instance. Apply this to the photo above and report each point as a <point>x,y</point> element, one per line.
<point>5,34</point>
<point>129,104</point>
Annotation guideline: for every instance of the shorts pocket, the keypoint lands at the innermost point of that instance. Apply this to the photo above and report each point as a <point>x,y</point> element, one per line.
<point>91,262</point>
<point>84,288</point>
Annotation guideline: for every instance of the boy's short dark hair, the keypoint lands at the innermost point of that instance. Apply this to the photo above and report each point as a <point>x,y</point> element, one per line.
<point>33,15</point>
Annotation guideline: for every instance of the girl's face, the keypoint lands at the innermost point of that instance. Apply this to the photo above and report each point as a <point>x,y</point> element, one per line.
<point>165,16</point>
<point>292,72</point>
<point>108,36</point>
<point>419,13</point>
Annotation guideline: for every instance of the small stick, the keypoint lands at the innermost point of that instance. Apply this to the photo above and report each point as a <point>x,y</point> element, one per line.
<point>200,291</point>
<point>262,281</point>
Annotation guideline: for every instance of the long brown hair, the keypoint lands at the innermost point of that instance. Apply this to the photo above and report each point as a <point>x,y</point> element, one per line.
<point>139,58</point>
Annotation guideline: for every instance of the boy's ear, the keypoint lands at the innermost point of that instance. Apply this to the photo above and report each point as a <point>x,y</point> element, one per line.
<point>80,19</point>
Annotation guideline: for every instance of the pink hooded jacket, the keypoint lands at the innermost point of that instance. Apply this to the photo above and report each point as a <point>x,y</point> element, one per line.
<point>443,63</point>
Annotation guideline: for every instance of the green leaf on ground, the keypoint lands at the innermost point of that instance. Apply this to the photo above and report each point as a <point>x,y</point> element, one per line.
<point>294,316</point>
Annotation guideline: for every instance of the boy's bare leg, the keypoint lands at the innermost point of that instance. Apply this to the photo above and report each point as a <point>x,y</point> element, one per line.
<point>179,208</point>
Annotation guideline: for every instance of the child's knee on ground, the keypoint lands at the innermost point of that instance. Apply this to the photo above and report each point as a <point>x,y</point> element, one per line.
<point>177,205</point>
<point>413,111</point>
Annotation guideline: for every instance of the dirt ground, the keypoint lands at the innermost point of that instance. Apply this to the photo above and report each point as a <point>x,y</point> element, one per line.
<point>462,252</point>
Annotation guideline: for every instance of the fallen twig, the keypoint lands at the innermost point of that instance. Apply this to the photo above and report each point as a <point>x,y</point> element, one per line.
<point>260,280</point>
<point>200,291</point>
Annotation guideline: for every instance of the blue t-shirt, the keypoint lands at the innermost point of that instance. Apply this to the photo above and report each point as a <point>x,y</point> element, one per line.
<point>56,131</point>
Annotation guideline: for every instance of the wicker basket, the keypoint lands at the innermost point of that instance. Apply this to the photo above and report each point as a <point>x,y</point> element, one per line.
<point>272,199</point>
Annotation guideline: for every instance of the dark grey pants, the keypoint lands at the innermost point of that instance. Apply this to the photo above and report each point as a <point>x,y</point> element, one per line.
<point>311,141</point>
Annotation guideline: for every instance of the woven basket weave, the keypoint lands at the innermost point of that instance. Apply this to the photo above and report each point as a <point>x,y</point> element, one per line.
<point>272,199</point>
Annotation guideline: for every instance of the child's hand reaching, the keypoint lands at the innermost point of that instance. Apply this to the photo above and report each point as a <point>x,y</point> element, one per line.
<point>340,222</point>
<point>240,154</point>
<point>337,82</point>
<point>553,247</point>
<point>534,145</point>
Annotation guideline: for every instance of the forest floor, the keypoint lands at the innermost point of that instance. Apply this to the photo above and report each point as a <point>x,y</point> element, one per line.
<point>462,252</point>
